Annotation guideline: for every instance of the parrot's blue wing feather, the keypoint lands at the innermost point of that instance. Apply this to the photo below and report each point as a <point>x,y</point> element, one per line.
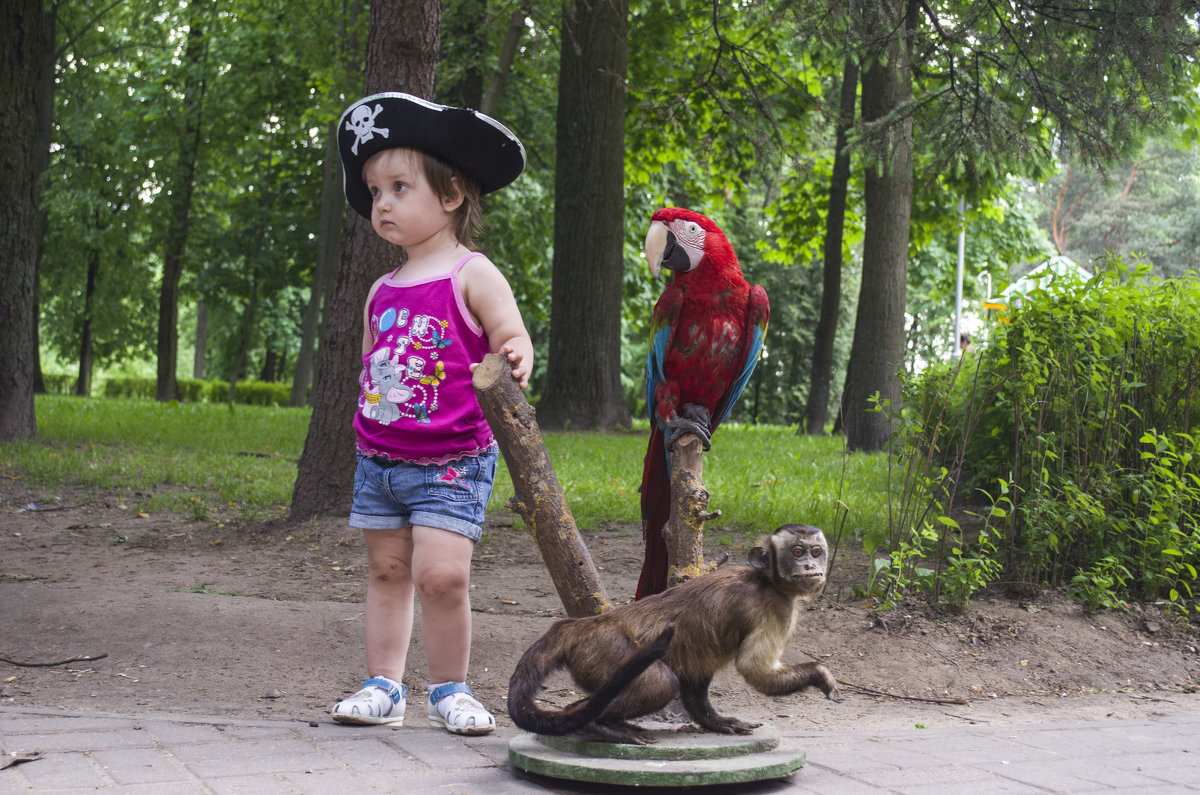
<point>739,385</point>
<point>654,366</point>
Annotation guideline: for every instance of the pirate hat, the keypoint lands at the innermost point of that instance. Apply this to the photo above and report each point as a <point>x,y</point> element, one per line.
<point>477,145</point>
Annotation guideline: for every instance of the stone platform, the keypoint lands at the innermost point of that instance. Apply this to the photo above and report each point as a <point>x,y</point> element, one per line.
<point>677,759</point>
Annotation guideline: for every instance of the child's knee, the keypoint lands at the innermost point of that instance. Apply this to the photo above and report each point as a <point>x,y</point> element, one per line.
<point>443,583</point>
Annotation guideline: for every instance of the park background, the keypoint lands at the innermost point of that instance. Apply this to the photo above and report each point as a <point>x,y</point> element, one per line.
<point>179,234</point>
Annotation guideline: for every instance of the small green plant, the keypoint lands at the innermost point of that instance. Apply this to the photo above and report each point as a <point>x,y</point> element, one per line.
<point>204,589</point>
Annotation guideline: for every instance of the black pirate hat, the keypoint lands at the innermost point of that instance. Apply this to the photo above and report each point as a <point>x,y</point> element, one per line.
<point>478,145</point>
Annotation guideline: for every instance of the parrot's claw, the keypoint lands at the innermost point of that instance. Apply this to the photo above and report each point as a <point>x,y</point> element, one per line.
<point>695,421</point>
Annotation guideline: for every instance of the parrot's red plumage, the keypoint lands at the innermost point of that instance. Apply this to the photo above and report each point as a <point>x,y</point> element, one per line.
<point>706,334</point>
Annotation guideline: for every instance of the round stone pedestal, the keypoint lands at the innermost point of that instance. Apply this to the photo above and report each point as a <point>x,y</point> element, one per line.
<point>678,759</point>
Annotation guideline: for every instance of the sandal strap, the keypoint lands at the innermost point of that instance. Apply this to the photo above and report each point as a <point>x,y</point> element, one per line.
<point>449,689</point>
<point>395,693</point>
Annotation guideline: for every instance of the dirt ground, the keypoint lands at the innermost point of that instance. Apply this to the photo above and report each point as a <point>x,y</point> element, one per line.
<point>265,621</point>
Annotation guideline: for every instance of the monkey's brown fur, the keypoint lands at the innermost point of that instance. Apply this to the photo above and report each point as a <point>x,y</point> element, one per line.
<point>635,658</point>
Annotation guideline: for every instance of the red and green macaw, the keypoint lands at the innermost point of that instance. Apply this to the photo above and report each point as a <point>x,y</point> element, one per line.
<point>706,334</point>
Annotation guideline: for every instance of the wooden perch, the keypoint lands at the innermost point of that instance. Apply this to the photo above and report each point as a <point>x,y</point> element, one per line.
<point>684,532</point>
<point>539,497</point>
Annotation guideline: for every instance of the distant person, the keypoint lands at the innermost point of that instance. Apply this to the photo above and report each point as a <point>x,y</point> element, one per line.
<point>426,456</point>
<point>964,340</point>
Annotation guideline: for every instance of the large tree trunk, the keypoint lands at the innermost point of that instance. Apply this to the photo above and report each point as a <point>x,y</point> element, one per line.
<point>20,83</point>
<point>816,412</point>
<point>183,184</point>
<point>877,353</point>
<point>401,55</point>
<point>583,374</point>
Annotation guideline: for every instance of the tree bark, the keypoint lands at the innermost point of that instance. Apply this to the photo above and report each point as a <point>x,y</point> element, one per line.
<point>816,412</point>
<point>333,211</point>
<point>83,381</point>
<point>539,497</point>
<point>20,80</point>
<point>877,353</point>
<point>584,367</point>
<point>684,531</point>
<point>183,184</point>
<point>402,47</point>
<point>508,52</point>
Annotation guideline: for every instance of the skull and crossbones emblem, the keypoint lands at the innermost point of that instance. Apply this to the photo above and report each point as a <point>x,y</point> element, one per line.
<point>362,123</point>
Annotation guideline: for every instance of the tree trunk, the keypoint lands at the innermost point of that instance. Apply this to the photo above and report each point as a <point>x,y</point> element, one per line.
<point>333,212</point>
<point>539,497</point>
<point>583,374</point>
<point>20,82</point>
<point>244,344</point>
<point>45,124</point>
<point>201,341</point>
<point>816,412</point>
<point>83,382</point>
<point>183,183</point>
<point>877,353</point>
<point>401,55</point>
<point>508,52</point>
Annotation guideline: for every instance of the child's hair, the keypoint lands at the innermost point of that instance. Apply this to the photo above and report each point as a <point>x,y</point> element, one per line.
<point>449,182</point>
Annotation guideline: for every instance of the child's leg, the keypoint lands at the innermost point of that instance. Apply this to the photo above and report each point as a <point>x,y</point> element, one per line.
<point>388,630</point>
<point>441,571</point>
<point>389,619</point>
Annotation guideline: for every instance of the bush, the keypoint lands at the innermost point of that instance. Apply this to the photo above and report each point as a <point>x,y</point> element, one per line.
<point>1085,405</point>
<point>252,393</point>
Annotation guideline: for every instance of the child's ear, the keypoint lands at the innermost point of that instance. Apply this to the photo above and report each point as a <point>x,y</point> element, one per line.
<point>452,203</point>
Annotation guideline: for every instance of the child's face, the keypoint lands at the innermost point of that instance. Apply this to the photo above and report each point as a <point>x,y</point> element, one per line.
<point>404,209</point>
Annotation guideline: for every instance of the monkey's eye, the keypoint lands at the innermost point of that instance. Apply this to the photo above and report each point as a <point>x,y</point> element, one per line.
<point>817,552</point>
<point>797,552</point>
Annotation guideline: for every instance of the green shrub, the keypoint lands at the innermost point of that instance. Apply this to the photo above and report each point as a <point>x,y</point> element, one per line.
<point>1084,407</point>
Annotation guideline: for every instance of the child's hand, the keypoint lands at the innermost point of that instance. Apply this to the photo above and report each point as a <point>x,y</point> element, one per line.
<point>517,360</point>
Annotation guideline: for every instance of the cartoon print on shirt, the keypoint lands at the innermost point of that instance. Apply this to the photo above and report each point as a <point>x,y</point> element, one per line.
<point>395,386</point>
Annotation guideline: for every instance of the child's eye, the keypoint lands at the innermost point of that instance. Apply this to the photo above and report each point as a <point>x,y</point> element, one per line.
<point>398,187</point>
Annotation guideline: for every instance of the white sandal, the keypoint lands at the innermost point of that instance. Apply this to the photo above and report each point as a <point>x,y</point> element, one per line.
<point>378,701</point>
<point>453,707</point>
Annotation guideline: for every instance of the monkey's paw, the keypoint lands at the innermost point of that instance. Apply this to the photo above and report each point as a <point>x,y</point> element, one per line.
<point>726,725</point>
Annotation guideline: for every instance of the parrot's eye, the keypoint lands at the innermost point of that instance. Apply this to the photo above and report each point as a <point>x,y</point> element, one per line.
<point>693,228</point>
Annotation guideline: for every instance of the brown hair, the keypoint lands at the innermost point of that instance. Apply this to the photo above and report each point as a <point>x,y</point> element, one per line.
<point>449,182</point>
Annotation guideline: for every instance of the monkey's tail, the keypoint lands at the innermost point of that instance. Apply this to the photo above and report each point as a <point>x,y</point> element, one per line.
<point>536,665</point>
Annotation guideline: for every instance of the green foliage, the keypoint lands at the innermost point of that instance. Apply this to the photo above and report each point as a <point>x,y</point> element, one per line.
<point>1079,421</point>
<point>250,393</point>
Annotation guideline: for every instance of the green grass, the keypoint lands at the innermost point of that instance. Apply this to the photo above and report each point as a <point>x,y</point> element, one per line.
<point>207,461</point>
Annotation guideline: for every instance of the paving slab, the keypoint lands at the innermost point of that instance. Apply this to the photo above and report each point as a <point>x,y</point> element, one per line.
<point>165,754</point>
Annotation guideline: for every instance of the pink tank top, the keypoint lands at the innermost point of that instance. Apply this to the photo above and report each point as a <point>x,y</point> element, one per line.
<point>417,402</point>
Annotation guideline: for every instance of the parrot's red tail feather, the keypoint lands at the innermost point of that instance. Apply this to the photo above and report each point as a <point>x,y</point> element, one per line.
<point>656,509</point>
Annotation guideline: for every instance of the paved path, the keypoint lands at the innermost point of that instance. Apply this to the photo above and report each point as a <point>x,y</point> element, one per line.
<point>165,754</point>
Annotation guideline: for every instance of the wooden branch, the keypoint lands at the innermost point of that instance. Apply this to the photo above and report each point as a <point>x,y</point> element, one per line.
<point>684,531</point>
<point>539,497</point>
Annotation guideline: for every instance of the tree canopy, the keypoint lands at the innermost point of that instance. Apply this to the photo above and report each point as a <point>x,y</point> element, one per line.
<point>729,109</point>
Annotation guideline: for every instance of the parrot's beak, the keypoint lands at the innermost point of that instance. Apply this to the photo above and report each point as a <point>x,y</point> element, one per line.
<point>656,243</point>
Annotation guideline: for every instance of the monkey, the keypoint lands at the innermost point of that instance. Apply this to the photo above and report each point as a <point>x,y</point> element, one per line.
<point>634,659</point>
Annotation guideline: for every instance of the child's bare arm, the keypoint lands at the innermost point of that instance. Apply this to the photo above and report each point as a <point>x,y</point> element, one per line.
<point>491,300</point>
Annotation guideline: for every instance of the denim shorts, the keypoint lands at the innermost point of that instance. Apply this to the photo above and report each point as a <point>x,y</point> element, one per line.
<point>391,495</point>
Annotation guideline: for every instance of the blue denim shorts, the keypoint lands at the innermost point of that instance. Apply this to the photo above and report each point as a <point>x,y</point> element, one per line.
<point>390,495</point>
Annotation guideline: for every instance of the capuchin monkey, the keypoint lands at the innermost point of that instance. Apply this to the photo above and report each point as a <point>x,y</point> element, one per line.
<point>634,659</point>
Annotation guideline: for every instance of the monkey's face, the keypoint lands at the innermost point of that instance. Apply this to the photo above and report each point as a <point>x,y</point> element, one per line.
<point>797,555</point>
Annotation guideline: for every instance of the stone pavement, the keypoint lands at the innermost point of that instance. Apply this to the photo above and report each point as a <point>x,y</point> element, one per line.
<point>85,751</point>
